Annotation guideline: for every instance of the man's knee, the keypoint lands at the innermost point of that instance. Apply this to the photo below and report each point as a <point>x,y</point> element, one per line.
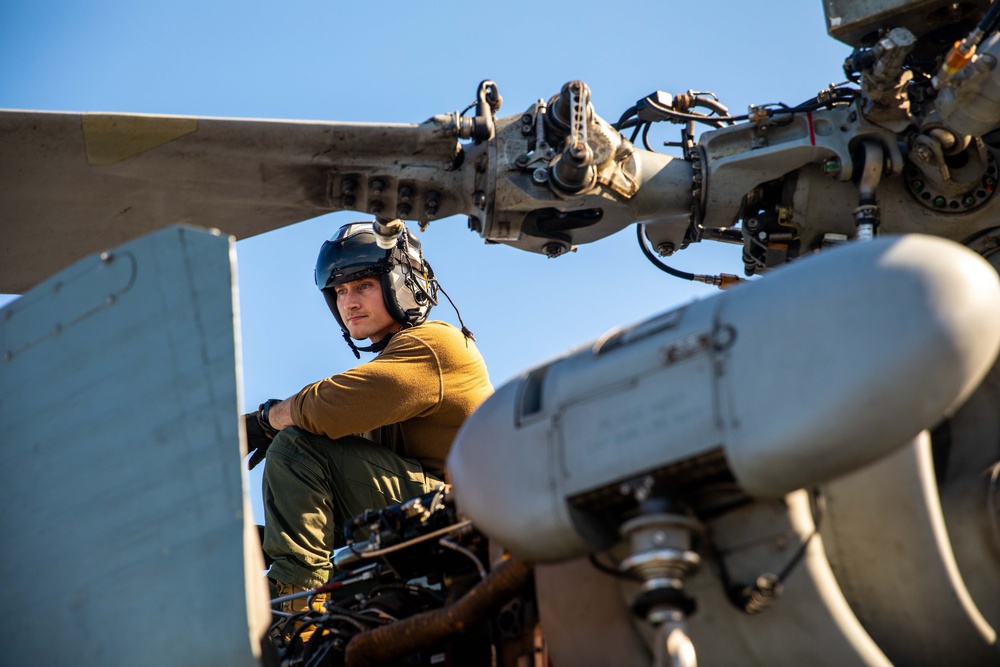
<point>293,446</point>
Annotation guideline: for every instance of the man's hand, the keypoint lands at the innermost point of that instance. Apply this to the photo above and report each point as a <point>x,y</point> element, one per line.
<point>260,433</point>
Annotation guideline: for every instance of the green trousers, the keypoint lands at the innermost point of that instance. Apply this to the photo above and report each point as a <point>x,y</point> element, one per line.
<point>313,485</point>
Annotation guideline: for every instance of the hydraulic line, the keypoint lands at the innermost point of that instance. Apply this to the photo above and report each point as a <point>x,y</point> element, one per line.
<point>963,51</point>
<point>454,546</point>
<point>376,553</point>
<point>376,646</point>
<point>629,118</point>
<point>722,281</point>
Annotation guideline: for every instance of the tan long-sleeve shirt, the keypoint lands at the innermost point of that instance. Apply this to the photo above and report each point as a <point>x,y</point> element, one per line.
<point>428,379</point>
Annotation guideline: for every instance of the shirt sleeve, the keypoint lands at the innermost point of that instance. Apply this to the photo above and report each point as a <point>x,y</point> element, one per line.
<point>403,382</point>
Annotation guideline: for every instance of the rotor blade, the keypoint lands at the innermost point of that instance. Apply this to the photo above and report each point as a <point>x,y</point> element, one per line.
<point>77,183</point>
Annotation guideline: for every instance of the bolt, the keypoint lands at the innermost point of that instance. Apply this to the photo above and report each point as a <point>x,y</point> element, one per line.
<point>403,210</point>
<point>475,225</point>
<point>526,124</point>
<point>347,201</point>
<point>375,207</point>
<point>348,186</point>
<point>480,198</point>
<point>832,166</point>
<point>578,151</point>
<point>968,201</point>
<point>540,176</point>
<point>105,257</point>
<point>666,249</point>
<point>643,491</point>
<point>918,187</point>
<point>433,199</point>
<point>939,202</point>
<point>752,224</point>
<point>922,154</point>
<point>377,187</point>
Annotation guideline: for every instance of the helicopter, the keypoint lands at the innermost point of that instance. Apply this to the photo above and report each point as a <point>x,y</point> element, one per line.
<point>784,545</point>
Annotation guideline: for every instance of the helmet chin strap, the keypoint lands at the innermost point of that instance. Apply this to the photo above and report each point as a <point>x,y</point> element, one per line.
<point>374,347</point>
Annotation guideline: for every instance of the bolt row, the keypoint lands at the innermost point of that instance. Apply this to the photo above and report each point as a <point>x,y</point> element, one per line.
<point>406,197</point>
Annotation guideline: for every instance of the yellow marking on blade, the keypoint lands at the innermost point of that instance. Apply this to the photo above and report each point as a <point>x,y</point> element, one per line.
<point>111,138</point>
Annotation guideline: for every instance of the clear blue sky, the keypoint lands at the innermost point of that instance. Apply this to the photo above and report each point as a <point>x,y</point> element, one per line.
<point>404,62</point>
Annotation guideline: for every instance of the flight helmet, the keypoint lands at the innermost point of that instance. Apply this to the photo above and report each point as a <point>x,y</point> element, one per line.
<point>409,288</point>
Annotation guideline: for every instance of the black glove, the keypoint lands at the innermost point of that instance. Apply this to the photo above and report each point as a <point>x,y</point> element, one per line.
<point>260,433</point>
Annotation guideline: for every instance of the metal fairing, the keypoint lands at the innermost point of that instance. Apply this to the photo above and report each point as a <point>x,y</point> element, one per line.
<point>863,559</point>
<point>124,510</point>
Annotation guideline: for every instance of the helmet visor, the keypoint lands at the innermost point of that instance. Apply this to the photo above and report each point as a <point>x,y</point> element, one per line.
<point>350,255</point>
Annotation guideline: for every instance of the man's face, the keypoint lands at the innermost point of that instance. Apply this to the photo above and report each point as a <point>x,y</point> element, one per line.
<point>363,310</point>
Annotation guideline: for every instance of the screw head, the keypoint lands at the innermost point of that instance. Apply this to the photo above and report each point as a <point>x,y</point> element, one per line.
<point>666,249</point>
<point>922,154</point>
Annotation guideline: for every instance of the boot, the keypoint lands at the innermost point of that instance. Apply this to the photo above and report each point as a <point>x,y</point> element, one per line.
<point>280,589</point>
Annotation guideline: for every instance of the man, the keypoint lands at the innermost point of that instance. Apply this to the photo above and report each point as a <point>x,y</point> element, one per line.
<point>374,435</point>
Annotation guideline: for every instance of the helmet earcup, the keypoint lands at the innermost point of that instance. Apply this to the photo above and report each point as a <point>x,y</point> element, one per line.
<point>389,296</point>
